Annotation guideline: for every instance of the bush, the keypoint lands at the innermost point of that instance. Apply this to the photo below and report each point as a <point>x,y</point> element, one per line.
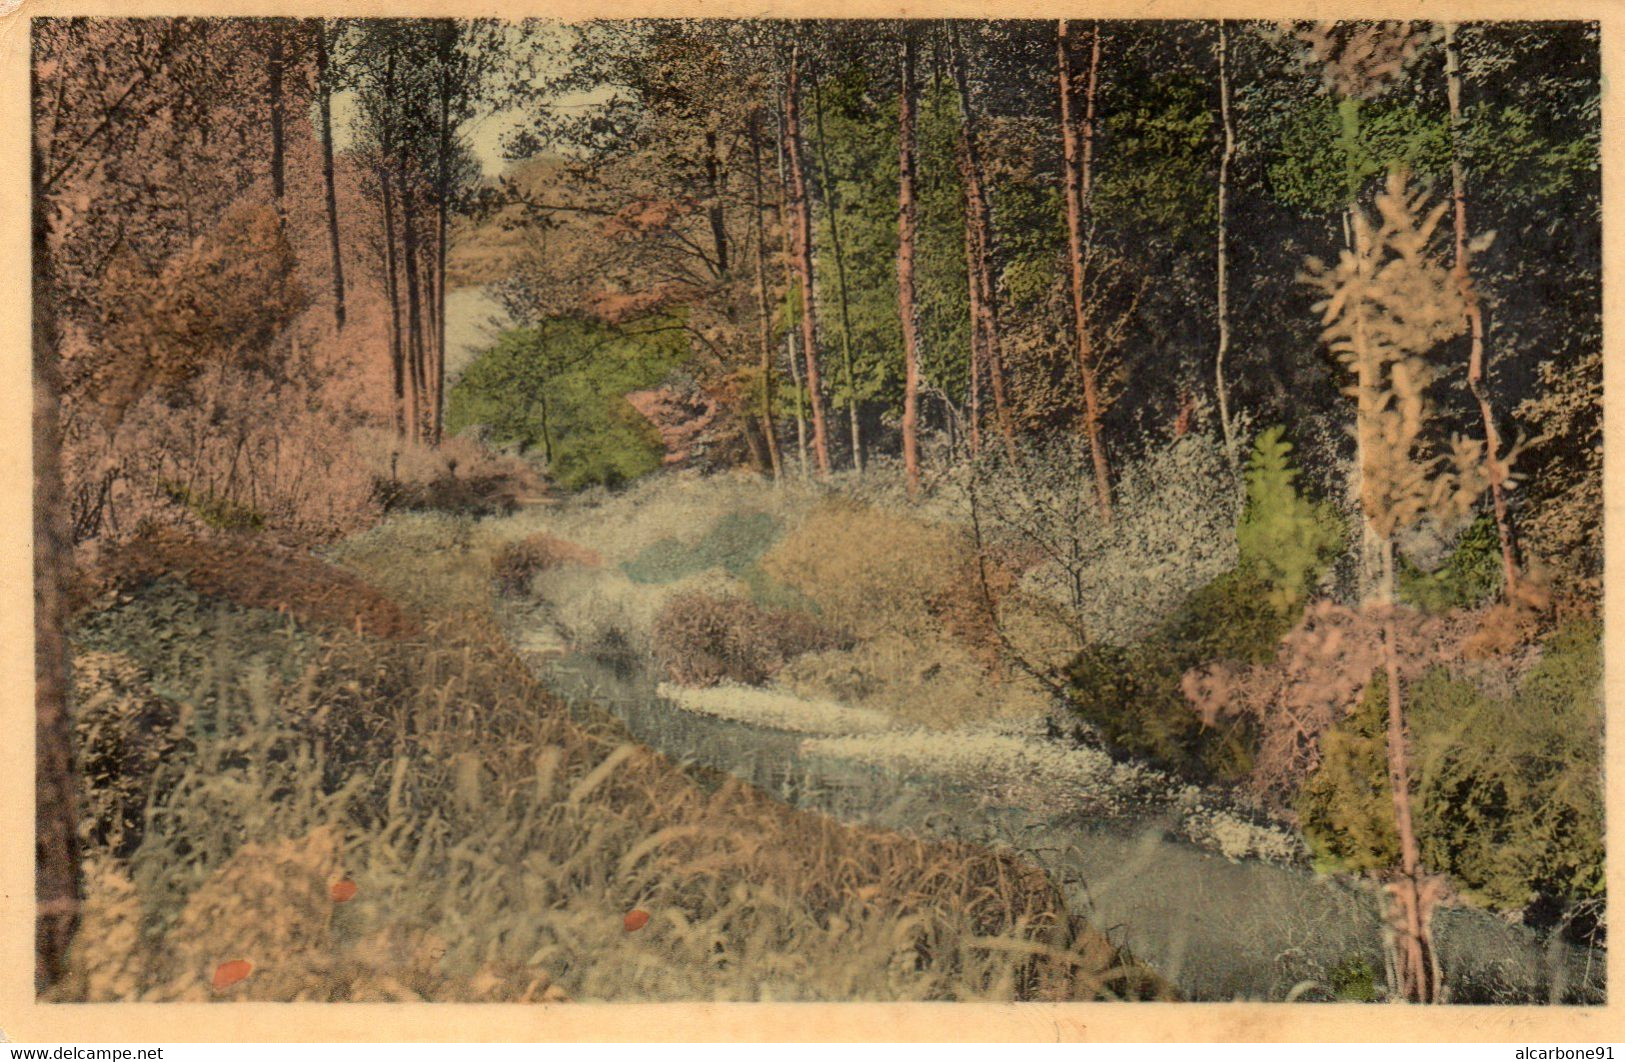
<point>1173,530</point>
<point>1133,695</point>
<point>701,639</point>
<point>559,389</point>
<point>516,562</point>
<point>1509,789</point>
<point>868,570</point>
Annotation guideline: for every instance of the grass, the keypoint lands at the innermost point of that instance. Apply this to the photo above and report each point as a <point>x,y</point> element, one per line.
<point>497,843</point>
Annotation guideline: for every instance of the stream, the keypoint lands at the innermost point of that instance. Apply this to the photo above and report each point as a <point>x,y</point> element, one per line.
<point>1217,928</point>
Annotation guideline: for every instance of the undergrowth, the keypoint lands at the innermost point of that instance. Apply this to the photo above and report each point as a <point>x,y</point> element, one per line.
<point>415,817</point>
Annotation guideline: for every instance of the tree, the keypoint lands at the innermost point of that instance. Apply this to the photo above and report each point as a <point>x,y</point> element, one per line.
<point>832,204</point>
<point>1222,294</point>
<point>1079,186</point>
<point>1388,303</point>
<point>324,97</point>
<point>802,254</point>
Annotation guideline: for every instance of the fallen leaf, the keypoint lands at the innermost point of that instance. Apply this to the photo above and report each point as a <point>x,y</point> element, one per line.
<point>229,973</point>
<point>344,889</point>
<point>636,920</point>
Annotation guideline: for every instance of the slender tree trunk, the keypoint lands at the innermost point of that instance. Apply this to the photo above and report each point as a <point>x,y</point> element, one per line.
<point>979,249</point>
<point>414,298</point>
<point>1369,575</point>
<point>277,58</point>
<point>1475,314</point>
<point>405,423</point>
<point>763,306</point>
<point>1417,974</point>
<point>1078,159</point>
<point>832,200</point>
<point>907,311</point>
<point>787,259</point>
<point>56,837</point>
<point>1226,158</point>
<point>802,223</point>
<point>324,97</point>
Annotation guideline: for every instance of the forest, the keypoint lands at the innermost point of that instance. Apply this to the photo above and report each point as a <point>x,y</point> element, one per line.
<point>762,509</point>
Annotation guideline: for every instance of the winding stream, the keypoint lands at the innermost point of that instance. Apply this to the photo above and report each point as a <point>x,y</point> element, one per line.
<point>1218,929</point>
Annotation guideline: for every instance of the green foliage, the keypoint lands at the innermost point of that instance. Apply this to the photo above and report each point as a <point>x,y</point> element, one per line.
<point>861,128</point>
<point>1159,170</point>
<point>1354,980</point>
<point>1283,537</point>
<point>1471,575</point>
<point>734,544</point>
<point>1329,148</point>
<point>1519,151</point>
<point>560,388</point>
<point>1509,790</point>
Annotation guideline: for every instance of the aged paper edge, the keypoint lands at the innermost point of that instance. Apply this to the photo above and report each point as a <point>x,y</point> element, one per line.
<point>22,1018</point>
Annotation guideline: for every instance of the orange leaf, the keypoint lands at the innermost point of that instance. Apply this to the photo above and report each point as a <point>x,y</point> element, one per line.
<point>229,973</point>
<point>636,920</point>
<point>343,889</point>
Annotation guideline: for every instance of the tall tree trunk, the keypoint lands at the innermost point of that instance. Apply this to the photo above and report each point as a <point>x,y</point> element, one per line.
<point>1078,159</point>
<point>445,39</point>
<point>787,260</point>
<point>1475,314</point>
<point>979,251</point>
<point>277,59</point>
<point>414,299</point>
<point>802,223</point>
<point>1369,574</point>
<point>324,97</point>
<point>833,202</point>
<point>56,843</point>
<point>405,422</point>
<point>763,306</point>
<point>1418,976</point>
<point>1222,295</point>
<point>907,311</point>
<point>714,209</point>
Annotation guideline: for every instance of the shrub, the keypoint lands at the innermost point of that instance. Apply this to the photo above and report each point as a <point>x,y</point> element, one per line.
<point>516,562</point>
<point>869,570</point>
<point>1173,530</point>
<point>1509,788</point>
<point>701,639</point>
<point>1133,695</point>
